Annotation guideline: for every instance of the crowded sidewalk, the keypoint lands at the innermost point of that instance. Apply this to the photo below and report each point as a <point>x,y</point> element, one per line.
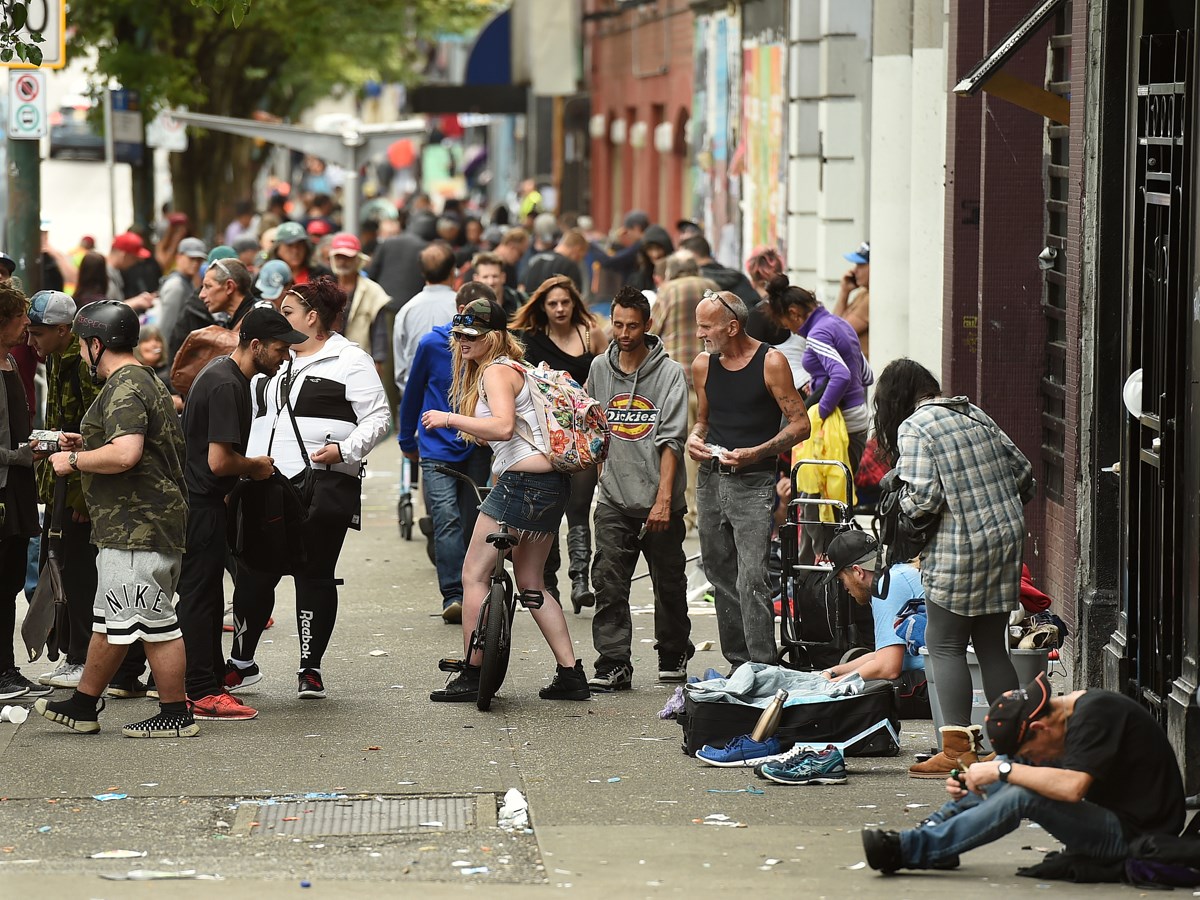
<point>378,735</point>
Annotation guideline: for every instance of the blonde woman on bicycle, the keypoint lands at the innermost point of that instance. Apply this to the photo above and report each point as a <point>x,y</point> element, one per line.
<point>488,395</point>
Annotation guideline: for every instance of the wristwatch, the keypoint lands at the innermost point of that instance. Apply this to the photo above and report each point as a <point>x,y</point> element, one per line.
<point>73,460</point>
<point>1004,770</point>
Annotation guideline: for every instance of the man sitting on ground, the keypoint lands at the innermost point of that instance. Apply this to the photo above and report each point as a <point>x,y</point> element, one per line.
<point>1093,768</point>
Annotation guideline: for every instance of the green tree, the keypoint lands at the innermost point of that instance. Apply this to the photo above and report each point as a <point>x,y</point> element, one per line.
<point>242,58</point>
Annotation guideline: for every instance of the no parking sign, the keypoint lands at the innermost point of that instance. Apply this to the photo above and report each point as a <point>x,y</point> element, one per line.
<point>27,105</point>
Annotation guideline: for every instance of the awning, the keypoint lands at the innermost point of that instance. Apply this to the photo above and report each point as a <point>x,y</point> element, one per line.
<point>988,74</point>
<point>488,86</point>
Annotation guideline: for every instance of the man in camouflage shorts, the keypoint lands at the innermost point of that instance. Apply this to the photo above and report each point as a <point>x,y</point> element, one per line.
<point>130,454</point>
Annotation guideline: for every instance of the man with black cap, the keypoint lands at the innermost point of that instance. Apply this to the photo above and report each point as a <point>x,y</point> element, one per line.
<point>216,426</point>
<point>1093,768</point>
<point>854,555</point>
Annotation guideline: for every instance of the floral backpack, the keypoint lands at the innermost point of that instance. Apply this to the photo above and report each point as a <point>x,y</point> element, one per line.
<point>574,423</point>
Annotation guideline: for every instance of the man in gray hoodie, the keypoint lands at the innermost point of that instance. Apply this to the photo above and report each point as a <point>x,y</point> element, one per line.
<point>641,503</point>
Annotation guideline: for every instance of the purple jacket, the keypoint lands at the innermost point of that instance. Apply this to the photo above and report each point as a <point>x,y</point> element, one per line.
<point>835,360</point>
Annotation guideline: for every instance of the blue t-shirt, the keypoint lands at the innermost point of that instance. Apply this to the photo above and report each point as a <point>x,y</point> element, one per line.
<point>904,585</point>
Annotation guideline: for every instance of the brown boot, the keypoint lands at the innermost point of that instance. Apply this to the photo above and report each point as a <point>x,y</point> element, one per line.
<point>957,753</point>
<point>977,745</point>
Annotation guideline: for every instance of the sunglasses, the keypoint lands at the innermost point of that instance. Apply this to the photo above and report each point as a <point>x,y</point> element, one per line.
<point>469,338</point>
<point>713,295</point>
<point>220,264</point>
<point>470,319</point>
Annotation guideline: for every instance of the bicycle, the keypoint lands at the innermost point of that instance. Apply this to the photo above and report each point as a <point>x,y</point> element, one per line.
<point>404,508</point>
<point>492,636</point>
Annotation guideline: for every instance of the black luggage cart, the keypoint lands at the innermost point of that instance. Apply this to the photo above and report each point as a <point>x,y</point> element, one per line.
<point>820,625</point>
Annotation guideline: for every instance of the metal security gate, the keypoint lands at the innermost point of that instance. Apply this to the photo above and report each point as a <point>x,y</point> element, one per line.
<point>1155,502</point>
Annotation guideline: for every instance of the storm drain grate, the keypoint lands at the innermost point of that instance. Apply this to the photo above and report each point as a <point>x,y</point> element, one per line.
<point>371,815</point>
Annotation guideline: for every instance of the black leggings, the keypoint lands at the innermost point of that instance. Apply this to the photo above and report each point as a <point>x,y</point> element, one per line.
<point>13,558</point>
<point>946,636</point>
<point>316,597</point>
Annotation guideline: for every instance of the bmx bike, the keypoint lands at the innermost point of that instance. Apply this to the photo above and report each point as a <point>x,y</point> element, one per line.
<point>492,636</point>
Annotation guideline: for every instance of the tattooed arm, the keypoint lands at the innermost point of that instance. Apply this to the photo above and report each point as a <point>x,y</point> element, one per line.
<point>778,376</point>
<point>699,434</point>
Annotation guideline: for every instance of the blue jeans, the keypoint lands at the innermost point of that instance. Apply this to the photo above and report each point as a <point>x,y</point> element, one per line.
<point>453,507</point>
<point>735,542</point>
<point>973,821</point>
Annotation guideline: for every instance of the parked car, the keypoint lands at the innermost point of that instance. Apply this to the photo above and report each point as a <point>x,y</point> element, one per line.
<point>71,131</point>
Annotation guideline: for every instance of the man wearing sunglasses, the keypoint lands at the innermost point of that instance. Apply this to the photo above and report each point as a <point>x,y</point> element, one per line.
<point>744,390</point>
<point>1093,768</point>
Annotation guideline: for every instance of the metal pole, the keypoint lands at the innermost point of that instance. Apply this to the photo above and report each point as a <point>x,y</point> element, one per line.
<point>350,201</point>
<point>24,238</point>
<point>110,161</point>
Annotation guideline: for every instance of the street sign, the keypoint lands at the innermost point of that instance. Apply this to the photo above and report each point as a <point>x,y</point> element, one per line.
<point>27,105</point>
<point>127,125</point>
<point>167,132</point>
<point>50,18</point>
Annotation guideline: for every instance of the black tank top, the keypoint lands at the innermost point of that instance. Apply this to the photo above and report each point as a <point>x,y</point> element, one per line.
<point>540,348</point>
<point>742,412</point>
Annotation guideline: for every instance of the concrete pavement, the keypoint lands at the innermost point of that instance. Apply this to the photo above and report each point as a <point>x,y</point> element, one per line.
<point>378,736</point>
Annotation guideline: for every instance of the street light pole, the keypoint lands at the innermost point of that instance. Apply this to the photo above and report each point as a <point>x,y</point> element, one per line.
<point>110,161</point>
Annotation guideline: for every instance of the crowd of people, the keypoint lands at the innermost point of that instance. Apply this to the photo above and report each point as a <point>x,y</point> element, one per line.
<point>176,373</point>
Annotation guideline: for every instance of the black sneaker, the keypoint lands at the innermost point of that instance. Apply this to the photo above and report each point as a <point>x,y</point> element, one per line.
<point>311,687</point>
<point>569,684</point>
<point>462,688</point>
<point>672,667</point>
<point>126,689</point>
<point>68,713</point>
<point>615,678</point>
<point>163,725</point>
<point>883,850</point>
<point>13,680</point>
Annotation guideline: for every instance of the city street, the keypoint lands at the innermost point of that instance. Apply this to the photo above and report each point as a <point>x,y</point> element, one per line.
<point>615,809</point>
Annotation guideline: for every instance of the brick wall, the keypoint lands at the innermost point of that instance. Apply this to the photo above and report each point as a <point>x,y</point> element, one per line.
<point>641,67</point>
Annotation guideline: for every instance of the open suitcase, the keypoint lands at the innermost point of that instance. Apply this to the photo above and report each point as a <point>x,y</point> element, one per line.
<point>820,625</point>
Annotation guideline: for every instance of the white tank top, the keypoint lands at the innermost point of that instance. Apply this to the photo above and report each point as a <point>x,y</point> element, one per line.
<point>506,454</point>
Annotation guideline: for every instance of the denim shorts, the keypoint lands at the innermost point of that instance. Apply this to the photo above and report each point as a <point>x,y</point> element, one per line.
<point>529,501</point>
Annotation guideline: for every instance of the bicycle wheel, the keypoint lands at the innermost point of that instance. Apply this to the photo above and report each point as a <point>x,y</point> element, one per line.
<point>496,642</point>
<point>406,520</point>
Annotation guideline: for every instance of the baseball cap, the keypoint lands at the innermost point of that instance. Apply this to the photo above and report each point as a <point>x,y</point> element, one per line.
<point>290,233</point>
<point>51,308</point>
<point>244,242</point>
<point>221,251</point>
<point>1013,712</point>
<point>850,548</point>
<point>8,262</point>
<point>131,242</point>
<point>272,278</point>
<point>862,255</point>
<point>265,323</point>
<point>479,317</point>
<point>345,244</point>
<point>316,228</point>
<point>193,247</point>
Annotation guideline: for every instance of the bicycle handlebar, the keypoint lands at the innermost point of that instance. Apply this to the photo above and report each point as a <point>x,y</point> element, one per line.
<point>465,479</point>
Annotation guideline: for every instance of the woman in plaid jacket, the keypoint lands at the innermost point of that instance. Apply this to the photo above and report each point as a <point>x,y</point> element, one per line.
<point>956,463</point>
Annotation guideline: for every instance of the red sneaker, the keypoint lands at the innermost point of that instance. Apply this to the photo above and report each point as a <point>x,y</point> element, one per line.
<point>221,707</point>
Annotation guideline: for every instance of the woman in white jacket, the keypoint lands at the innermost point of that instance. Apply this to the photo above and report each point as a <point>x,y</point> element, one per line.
<point>330,397</point>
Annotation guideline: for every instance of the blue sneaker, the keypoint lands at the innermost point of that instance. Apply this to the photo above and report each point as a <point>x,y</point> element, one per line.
<point>740,751</point>
<point>826,767</point>
<point>789,757</point>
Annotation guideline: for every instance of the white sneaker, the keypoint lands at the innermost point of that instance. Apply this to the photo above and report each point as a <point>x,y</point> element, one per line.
<point>69,678</point>
<point>50,676</point>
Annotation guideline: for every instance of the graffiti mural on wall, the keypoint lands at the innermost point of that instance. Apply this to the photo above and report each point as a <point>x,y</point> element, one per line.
<point>761,159</point>
<point>714,124</point>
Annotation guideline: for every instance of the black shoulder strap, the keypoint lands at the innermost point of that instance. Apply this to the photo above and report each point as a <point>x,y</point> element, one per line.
<point>286,389</point>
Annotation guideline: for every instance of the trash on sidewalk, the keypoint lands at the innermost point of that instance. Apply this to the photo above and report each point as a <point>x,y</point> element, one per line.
<point>45,829</point>
<point>154,875</point>
<point>719,819</point>
<point>118,854</point>
<point>477,870</point>
<point>745,790</point>
<point>109,796</point>
<point>704,645</point>
<point>378,653</point>
<point>514,811</point>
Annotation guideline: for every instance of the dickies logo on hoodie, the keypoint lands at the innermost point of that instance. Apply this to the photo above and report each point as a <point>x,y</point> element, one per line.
<point>631,421</point>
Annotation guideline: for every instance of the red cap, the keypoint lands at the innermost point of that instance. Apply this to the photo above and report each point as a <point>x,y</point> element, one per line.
<point>319,228</point>
<point>345,244</point>
<point>131,242</point>
<point>177,218</point>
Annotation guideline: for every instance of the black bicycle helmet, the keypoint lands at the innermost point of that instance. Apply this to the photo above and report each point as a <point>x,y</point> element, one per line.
<point>114,323</point>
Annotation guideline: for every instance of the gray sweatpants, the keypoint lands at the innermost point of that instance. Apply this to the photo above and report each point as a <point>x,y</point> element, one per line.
<point>947,635</point>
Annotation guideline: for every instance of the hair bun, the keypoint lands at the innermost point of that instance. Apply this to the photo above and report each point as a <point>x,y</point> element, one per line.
<point>778,285</point>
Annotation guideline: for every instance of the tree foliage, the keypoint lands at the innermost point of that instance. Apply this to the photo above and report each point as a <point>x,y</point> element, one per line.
<point>242,57</point>
<point>13,17</point>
